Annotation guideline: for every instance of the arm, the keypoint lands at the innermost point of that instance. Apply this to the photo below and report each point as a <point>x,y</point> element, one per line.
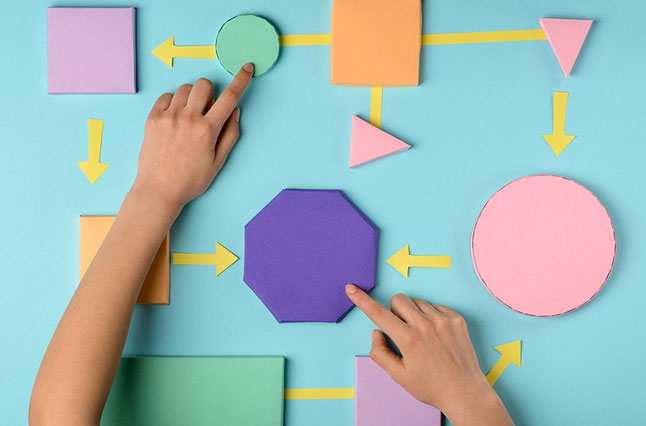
<point>187,140</point>
<point>438,364</point>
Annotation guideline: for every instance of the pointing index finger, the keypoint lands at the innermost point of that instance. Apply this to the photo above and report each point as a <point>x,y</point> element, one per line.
<point>229,98</point>
<point>378,313</point>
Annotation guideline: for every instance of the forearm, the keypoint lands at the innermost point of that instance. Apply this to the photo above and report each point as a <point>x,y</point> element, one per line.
<point>481,408</point>
<point>80,363</point>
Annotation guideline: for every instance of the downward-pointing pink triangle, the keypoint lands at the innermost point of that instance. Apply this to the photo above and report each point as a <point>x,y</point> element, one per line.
<point>566,36</point>
<point>368,143</point>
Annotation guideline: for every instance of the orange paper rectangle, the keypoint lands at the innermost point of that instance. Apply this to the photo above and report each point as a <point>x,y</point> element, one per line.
<point>155,290</point>
<point>376,43</point>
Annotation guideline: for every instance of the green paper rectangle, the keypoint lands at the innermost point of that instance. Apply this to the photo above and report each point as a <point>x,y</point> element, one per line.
<point>171,391</point>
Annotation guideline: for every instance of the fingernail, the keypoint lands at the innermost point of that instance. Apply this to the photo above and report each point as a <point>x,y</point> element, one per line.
<point>350,288</point>
<point>237,114</point>
<point>373,335</point>
<point>248,67</point>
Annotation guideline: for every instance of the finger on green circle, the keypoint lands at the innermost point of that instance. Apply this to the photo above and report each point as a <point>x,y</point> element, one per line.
<point>247,38</point>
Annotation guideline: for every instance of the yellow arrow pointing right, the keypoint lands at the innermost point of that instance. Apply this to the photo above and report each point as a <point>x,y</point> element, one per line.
<point>403,260</point>
<point>558,140</point>
<point>167,51</point>
<point>222,258</point>
<point>93,167</point>
<point>509,353</point>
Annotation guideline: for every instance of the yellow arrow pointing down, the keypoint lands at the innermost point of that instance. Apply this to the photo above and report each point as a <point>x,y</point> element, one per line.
<point>558,140</point>
<point>167,51</point>
<point>403,260</point>
<point>222,258</point>
<point>93,168</point>
<point>509,353</point>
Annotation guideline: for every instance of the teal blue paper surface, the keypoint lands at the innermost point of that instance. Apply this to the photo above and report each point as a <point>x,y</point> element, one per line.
<point>475,122</point>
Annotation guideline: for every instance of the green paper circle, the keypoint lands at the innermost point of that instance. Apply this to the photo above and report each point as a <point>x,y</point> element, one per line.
<point>247,38</point>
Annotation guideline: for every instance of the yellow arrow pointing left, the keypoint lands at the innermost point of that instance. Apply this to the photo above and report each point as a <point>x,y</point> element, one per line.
<point>167,51</point>
<point>222,258</point>
<point>509,353</point>
<point>403,260</point>
<point>93,168</point>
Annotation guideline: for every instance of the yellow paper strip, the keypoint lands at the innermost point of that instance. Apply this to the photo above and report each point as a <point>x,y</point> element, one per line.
<point>304,39</point>
<point>376,95</point>
<point>483,37</point>
<point>320,393</point>
<point>430,39</point>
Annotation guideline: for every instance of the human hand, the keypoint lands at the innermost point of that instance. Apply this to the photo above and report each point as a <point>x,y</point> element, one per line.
<point>438,364</point>
<point>187,139</point>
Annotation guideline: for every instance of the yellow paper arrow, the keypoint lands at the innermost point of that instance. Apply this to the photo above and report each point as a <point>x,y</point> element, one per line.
<point>402,260</point>
<point>167,51</point>
<point>222,258</point>
<point>93,168</point>
<point>558,140</point>
<point>509,353</point>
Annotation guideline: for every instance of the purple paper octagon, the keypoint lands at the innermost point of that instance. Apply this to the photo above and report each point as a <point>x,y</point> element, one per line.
<point>303,248</point>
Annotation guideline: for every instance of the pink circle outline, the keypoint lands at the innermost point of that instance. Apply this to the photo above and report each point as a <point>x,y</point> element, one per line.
<point>612,264</point>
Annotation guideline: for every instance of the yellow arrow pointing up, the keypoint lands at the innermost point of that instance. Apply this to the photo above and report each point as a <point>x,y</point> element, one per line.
<point>402,260</point>
<point>167,51</point>
<point>222,258</point>
<point>558,140</point>
<point>509,353</point>
<point>93,168</point>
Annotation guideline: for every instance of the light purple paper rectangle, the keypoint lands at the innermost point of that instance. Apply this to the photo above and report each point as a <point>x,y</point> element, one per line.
<point>379,401</point>
<point>91,50</point>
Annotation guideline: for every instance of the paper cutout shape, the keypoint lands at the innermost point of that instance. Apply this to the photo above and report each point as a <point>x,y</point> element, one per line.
<point>543,245</point>
<point>91,50</point>
<point>402,261</point>
<point>302,249</point>
<point>379,401</point>
<point>319,393</point>
<point>156,288</point>
<point>247,38</point>
<point>167,51</point>
<point>368,143</point>
<point>196,391</point>
<point>558,140</point>
<point>375,43</point>
<point>93,168</point>
<point>566,36</point>
<point>221,259</point>
<point>510,353</point>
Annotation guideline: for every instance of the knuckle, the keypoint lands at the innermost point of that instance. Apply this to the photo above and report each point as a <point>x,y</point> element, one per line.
<point>441,325</point>
<point>202,128</point>
<point>427,328</point>
<point>457,320</point>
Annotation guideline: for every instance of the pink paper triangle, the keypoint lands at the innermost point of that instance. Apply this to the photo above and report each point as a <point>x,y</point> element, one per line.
<point>368,143</point>
<point>566,36</point>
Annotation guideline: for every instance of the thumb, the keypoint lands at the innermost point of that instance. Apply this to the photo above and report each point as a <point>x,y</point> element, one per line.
<point>384,357</point>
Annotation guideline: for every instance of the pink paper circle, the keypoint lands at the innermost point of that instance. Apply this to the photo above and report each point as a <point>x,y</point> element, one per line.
<point>543,245</point>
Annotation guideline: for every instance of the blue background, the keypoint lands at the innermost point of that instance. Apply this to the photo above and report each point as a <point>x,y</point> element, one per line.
<point>475,122</point>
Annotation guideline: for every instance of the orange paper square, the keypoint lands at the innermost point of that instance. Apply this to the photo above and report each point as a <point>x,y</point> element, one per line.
<point>376,43</point>
<point>155,289</point>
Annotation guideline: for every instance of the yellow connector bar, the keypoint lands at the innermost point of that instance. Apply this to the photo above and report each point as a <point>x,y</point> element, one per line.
<point>304,39</point>
<point>320,393</point>
<point>430,39</point>
<point>482,37</point>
